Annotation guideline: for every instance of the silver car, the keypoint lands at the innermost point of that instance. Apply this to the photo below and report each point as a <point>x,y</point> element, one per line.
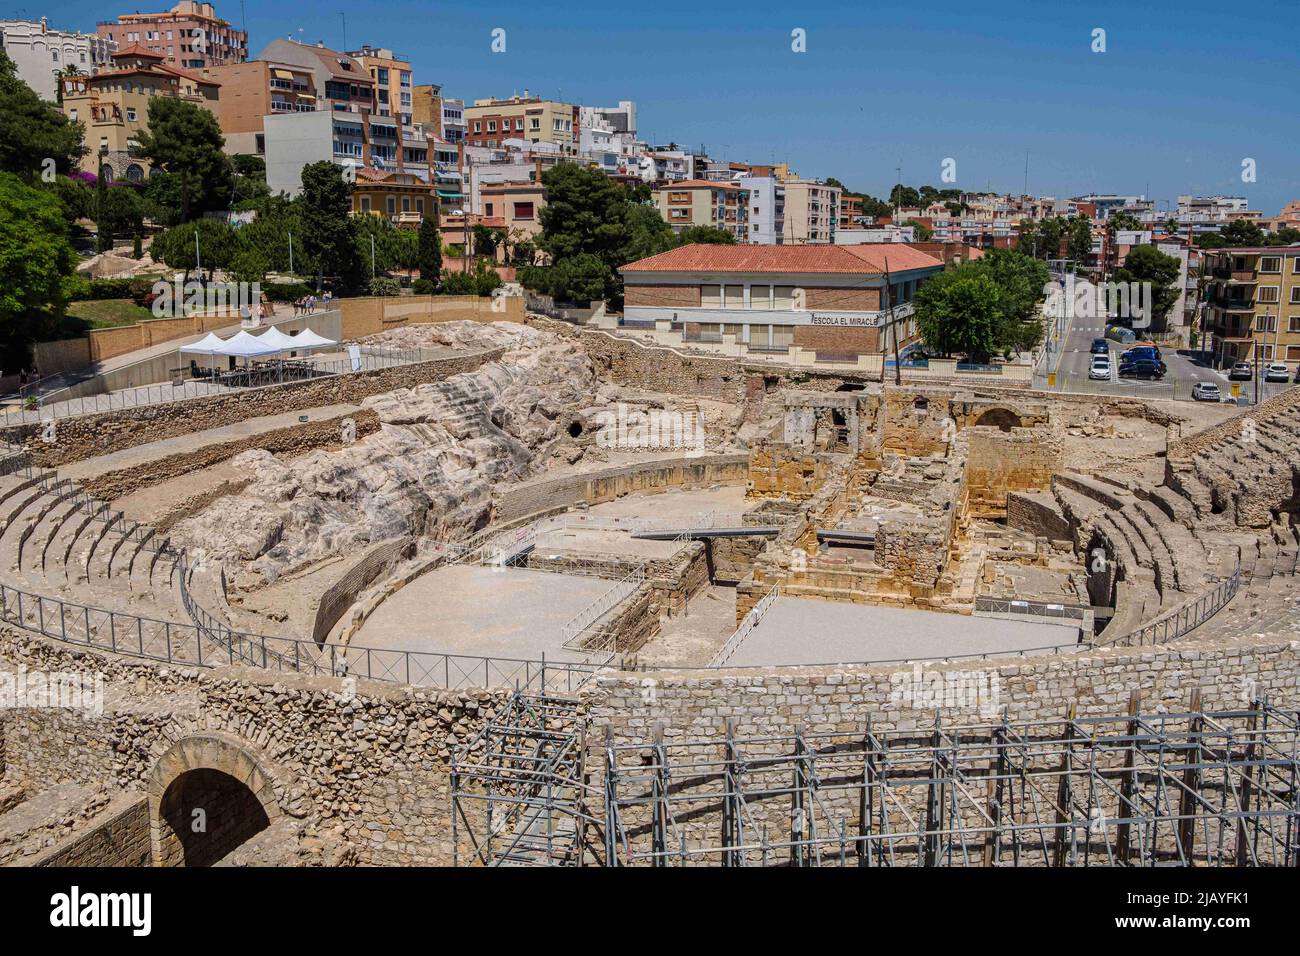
<point>1276,372</point>
<point>1206,392</point>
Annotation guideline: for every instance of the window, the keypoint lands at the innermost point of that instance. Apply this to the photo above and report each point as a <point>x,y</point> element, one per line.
<point>783,298</point>
<point>1269,293</point>
<point>711,296</point>
<point>1266,323</point>
<point>1295,290</point>
<point>130,114</point>
<point>487,207</point>
<point>760,296</point>
<point>1293,324</point>
<point>1293,353</point>
<point>733,297</point>
<point>492,126</point>
<point>365,204</point>
<point>524,210</point>
<point>1270,264</point>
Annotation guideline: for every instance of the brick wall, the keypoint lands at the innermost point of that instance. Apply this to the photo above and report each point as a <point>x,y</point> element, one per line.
<point>833,339</point>
<point>117,836</point>
<point>853,300</point>
<point>662,296</point>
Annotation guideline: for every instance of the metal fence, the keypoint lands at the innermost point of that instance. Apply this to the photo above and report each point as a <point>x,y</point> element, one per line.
<point>1069,612</point>
<point>1182,620</point>
<point>57,405</point>
<point>582,632</point>
<point>746,627</point>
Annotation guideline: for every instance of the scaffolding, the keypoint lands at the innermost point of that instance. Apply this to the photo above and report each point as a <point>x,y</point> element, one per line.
<point>1197,788</point>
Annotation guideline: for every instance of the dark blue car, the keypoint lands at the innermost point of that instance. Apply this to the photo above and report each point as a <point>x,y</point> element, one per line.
<point>1100,347</point>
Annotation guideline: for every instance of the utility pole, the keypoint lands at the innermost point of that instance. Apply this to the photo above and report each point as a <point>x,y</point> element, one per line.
<point>291,253</point>
<point>889,300</point>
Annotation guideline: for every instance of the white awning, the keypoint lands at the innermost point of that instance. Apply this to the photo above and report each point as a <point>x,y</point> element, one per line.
<point>307,339</point>
<point>274,338</point>
<point>210,344</point>
<point>243,345</point>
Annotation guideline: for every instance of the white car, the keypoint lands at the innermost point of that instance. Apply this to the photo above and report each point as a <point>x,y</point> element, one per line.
<point>1276,372</point>
<point>1100,367</point>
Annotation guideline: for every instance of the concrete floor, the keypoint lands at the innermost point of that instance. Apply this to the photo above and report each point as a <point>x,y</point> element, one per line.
<point>811,631</point>
<point>618,544</point>
<point>483,611</point>
<point>674,503</point>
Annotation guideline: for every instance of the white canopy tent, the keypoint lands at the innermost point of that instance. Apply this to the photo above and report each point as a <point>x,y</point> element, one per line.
<point>210,344</point>
<point>274,337</point>
<point>243,345</point>
<point>307,339</point>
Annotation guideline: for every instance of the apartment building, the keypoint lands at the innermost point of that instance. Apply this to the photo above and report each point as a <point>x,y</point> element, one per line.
<point>114,106</point>
<point>698,202</point>
<point>850,211</point>
<point>404,198</point>
<point>766,209</point>
<point>394,94</point>
<point>189,35</point>
<point>490,122</point>
<point>254,90</point>
<point>41,54</point>
<point>824,301</point>
<point>426,107</point>
<point>1252,304</point>
<point>812,211</point>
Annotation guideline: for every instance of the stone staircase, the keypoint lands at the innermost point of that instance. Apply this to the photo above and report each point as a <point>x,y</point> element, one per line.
<point>1229,508</point>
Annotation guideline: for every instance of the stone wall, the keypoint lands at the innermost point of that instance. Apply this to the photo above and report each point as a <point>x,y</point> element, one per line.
<point>372,315</point>
<point>1206,440</point>
<point>539,497</point>
<point>695,704</point>
<point>292,440</point>
<point>118,836</point>
<point>94,435</point>
<point>378,561</point>
<point>365,759</point>
<point>1000,462</point>
<point>1037,514</point>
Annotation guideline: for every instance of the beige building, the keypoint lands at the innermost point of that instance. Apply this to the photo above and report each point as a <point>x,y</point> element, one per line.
<point>190,35</point>
<point>699,202</point>
<point>1252,305</point>
<point>426,107</point>
<point>114,106</point>
<point>252,91</point>
<point>812,211</point>
<point>394,94</point>
<point>491,122</point>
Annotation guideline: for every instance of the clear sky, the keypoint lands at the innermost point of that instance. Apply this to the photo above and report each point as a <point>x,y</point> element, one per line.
<point>1184,92</point>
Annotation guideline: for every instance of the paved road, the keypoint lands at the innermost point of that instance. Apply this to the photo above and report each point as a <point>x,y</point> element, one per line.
<point>1186,368</point>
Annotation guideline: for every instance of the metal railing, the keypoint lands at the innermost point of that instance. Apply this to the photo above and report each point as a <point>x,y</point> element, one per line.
<point>581,632</point>
<point>51,407</point>
<point>993,605</point>
<point>747,626</point>
<point>1182,620</point>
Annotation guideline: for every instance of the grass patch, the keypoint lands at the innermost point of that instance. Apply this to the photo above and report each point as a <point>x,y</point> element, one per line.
<point>108,313</point>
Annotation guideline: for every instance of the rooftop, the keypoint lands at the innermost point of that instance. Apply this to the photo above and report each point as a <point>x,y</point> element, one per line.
<point>868,258</point>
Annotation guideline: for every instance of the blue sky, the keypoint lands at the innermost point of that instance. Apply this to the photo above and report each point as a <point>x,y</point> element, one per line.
<point>1184,92</point>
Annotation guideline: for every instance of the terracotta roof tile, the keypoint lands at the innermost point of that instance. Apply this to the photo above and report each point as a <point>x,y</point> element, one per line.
<point>864,259</point>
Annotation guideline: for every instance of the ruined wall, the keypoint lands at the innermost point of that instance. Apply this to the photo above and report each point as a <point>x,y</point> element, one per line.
<point>1000,462</point>
<point>379,560</point>
<point>93,435</point>
<point>539,497</point>
<point>118,836</point>
<point>779,470</point>
<point>1209,438</point>
<point>1037,514</point>
<point>694,704</point>
<point>366,759</point>
<point>292,440</point>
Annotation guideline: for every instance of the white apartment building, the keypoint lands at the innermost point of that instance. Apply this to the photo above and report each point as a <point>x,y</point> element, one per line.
<point>766,209</point>
<point>41,54</point>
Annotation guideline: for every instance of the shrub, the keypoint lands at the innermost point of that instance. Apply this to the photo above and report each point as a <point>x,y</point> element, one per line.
<point>383,285</point>
<point>423,286</point>
<point>285,291</point>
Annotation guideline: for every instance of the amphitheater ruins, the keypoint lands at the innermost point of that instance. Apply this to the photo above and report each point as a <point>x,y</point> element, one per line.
<point>547,595</point>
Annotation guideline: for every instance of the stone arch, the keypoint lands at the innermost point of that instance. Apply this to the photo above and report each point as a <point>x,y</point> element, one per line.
<point>233,786</point>
<point>1001,418</point>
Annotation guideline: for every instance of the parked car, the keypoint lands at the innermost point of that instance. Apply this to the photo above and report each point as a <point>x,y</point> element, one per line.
<point>1100,367</point>
<point>1276,372</point>
<point>1206,392</point>
<point>1142,368</point>
<point>1100,347</point>
<point>1241,371</point>
<point>1140,352</point>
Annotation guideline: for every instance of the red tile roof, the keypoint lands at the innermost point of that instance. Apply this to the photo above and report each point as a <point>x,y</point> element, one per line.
<point>135,49</point>
<point>861,259</point>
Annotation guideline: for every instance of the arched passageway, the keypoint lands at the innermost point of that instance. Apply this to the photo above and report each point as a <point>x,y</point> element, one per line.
<point>1000,418</point>
<point>205,814</point>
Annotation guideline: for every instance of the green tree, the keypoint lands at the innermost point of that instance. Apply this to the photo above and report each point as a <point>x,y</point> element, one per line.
<point>920,230</point>
<point>904,197</point>
<point>33,131</point>
<point>706,236</point>
<point>1149,264</point>
<point>585,212</point>
<point>185,141</point>
<point>207,244</point>
<point>1022,284</point>
<point>487,240</point>
<point>430,262</point>
<point>1122,220</point>
<point>250,181</point>
<point>961,311</point>
<point>1079,238</point>
<point>579,278</point>
<point>119,211</point>
<point>329,232</point>
<point>37,266</point>
<point>648,234</point>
